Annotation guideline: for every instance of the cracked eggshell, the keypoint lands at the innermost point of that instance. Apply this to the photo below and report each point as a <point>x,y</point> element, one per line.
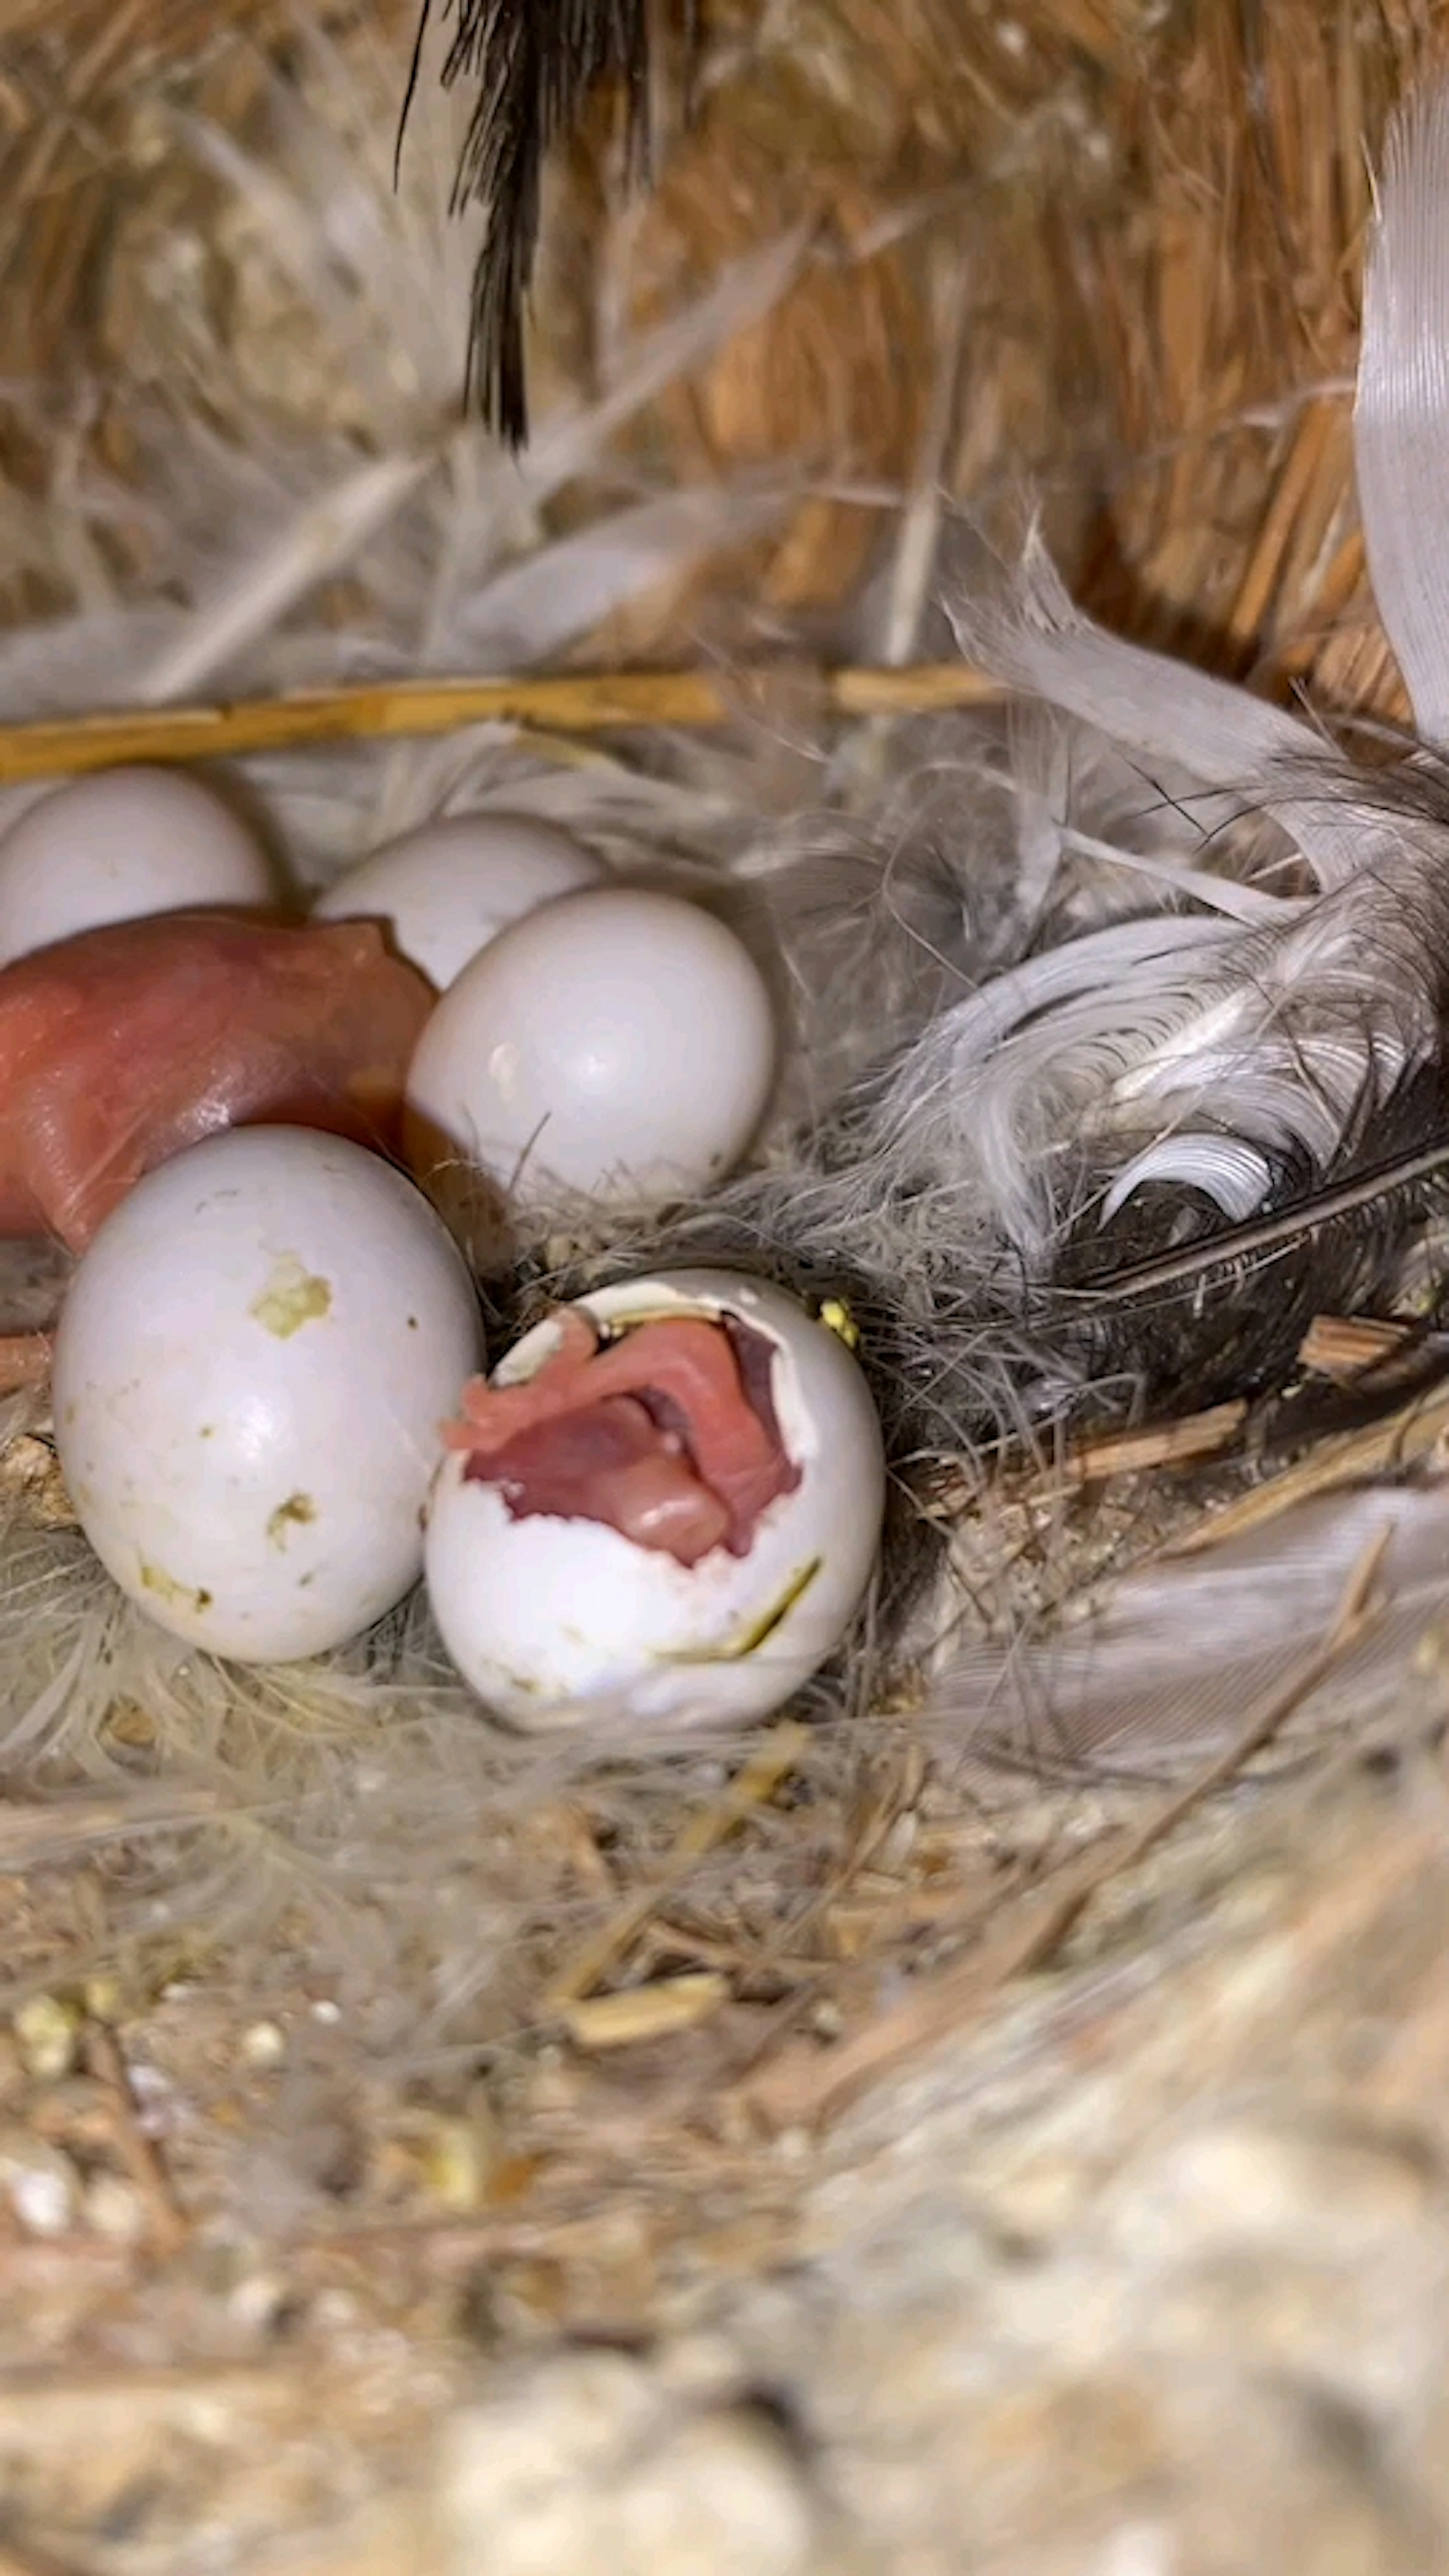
<point>557,1622</point>
<point>448,889</point>
<point>250,1369</point>
<point>118,846</point>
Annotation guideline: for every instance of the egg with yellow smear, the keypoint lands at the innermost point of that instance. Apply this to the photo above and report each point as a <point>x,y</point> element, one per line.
<point>251,1366</point>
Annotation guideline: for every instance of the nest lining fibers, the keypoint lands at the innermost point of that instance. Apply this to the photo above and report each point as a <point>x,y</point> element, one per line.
<point>896,258</point>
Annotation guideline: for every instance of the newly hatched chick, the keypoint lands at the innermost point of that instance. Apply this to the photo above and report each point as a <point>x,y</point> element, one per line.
<point>125,1044</point>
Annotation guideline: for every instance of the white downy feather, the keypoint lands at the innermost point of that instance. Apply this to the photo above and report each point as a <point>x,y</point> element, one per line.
<point>1161,1668</point>
<point>1402,406</point>
<point>546,600</point>
<point>332,528</point>
<point>1163,711</point>
<point>1234,1175</point>
<point>323,539</point>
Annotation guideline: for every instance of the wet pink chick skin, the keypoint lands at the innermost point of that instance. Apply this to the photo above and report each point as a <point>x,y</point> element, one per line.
<point>120,1047</point>
<point>657,1435</point>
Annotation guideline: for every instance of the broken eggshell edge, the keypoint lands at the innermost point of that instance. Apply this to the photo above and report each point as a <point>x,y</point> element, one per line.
<point>555,1623</point>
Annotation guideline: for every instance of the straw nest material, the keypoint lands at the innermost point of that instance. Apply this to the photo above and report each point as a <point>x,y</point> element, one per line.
<point>803,2153</point>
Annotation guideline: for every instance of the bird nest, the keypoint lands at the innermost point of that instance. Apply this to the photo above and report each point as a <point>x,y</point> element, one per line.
<point>411,2144</point>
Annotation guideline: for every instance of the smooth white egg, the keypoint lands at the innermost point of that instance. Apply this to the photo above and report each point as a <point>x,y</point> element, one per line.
<point>620,1043</point>
<point>250,1369</point>
<point>120,845</point>
<point>447,890</point>
<point>557,1621</point>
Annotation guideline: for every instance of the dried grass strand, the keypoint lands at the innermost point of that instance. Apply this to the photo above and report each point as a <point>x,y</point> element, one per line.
<point>563,703</point>
<point>806,2089</point>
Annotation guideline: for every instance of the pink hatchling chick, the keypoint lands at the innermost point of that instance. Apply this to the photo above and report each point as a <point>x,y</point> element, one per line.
<point>120,1047</point>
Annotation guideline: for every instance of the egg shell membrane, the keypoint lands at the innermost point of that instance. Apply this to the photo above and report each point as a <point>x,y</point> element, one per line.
<point>666,1433</point>
<point>125,1044</point>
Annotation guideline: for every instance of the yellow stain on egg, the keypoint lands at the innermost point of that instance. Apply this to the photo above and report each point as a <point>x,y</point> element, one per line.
<point>177,1596</point>
<point>292,1297</point>
<point>294,1513</point>
<point>759,1630</point>
<point>837,1318</point>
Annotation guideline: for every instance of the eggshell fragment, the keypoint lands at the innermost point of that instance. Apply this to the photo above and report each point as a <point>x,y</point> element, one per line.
<point>619,1043</point>
<point>448,889</point>
<point>122,1046</point>
<point>559,1607</point>
<point>249,1372</point>
<point>118,846</point>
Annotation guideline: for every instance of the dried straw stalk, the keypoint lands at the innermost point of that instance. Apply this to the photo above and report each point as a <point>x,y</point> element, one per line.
<point>565,703</point>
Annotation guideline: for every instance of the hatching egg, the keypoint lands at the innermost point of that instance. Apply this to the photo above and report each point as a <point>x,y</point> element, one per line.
<point>664,1508</point>
<point>620,1042</point>
<point>117,846</point>
<point>447,890</point>
<point>250,1369</point>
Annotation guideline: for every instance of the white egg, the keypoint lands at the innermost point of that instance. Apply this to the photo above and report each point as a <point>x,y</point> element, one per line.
<point>119,845</point>
<point>250,1370</point>
<point>447,890</point>
<point>620,1043</point>
<point>555,1621</point>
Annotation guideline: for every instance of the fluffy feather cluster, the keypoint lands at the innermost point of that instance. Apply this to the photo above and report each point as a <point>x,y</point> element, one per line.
<point>1204,1101</point>
<point>1216,1056</point>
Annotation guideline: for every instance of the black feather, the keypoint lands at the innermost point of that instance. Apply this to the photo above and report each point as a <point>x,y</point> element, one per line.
<point>535,63</point>
<point>1223,1311</point>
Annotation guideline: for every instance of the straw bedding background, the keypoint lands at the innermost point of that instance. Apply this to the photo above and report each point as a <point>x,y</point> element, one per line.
<point>825,2152</point>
